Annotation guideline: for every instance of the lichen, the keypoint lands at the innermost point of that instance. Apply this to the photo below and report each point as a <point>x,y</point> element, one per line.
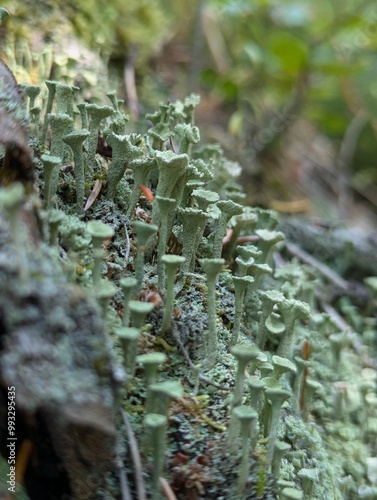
<point>305,385</point>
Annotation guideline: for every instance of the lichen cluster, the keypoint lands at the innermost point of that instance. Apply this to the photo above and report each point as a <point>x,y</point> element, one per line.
<point>237,385</point>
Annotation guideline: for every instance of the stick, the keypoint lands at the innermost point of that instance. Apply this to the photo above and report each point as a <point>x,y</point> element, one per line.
<point>135,456</point>
<point>342,325</point>
<point>166,489</point>
<point>124,487</point>
<point>346,154</point>
<point>192,366</point>
<point>322,268</point>
<point>128,247</point>
<point>129,81</point>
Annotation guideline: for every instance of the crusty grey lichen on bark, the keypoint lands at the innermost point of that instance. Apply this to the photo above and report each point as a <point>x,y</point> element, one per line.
<point>54,350</point>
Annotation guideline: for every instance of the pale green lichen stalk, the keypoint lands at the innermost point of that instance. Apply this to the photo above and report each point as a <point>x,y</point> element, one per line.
<point>244,353</point>
<point>156,426</point>
<point>276,398</point>
<point>99,233</point>
<point>96,114</point>
<point>227,210</point>
<point>240,285</point>
<point>123,150</point>
<point>143,232</point>
<point>128,337</point>
<point>51,86</point>
<point>59,124</point>
<point>192,221</point>
<point>171,263</point>
<point>212,268</point>
<point>75,141</point>
<point>166,213</point>
<point>128,286</point>
<point>50,165</point>
<point>247,417</point>
<point>281,387</point>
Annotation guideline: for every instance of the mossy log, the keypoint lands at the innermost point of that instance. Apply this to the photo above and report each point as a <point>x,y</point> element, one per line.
<point>54,352</point>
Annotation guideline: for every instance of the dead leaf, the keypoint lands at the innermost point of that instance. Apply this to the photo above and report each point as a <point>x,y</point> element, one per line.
<point>94,194</point>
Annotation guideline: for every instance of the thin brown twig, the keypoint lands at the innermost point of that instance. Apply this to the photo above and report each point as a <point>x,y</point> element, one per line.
<point>135,456</point>
<point>322,268</point>
<point>129,81</point>
<point>124,486</point>
<point>128,247</point>
<point>192,366</point>
<point>172,145</point>
<point>339,321</point>
<point>342,324</point>
<point>197,49</point>
<point>166,489</point>
<point>247,239</point>
<point>346,154</point>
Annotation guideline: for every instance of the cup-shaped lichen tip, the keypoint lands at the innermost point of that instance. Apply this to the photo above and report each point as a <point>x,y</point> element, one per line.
<point>143,232</point>
<point>99,231</point>
<point>139,311</point>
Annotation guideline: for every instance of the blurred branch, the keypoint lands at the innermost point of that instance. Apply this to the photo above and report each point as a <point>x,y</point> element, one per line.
<point>129,81</point>
<point>197,48</point>
<point>136,460</point>
<point>124,486</point>
<point>167,490</point>
<point>215,40</point>
<point>331,275</point>
<point>275,123</point>
<point>343,164</point>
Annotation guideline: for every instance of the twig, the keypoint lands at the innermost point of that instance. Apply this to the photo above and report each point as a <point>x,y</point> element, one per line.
<point>94,194</point>
<point>172,145</point>
<point>166,489</point>
<point>124,487</point>
<point>346,153</point>
<point>135,456</point>
<point>192,366</point>
<point>196,50</point>
<point>247,239</point>
<point>339,321</point>
<point>322,268</point>
<point>211,27</point>
<point>128,246</point>
<point>23,458</point>
<point>208,381</point>
<point>342,325</point>
<point>281,118</point>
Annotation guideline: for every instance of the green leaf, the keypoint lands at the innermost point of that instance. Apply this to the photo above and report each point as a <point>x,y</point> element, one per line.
<point>290,52</point>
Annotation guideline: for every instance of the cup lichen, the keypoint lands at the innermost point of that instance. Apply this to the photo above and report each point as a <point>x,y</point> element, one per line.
<point>212,268</point>
<point>171,263</point>
<point>99,233</point>
<point>143,232</point>
<point>264,311</point>
<point>75,141</point>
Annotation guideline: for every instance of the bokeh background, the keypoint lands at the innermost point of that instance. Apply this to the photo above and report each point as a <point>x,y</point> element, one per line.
<point>288,88</point>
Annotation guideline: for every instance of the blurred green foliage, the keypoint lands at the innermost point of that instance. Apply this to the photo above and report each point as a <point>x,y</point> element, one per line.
<point>272,43</point>
<point>255,58</point>
<point>317,55</point>
<point>107,26</point>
